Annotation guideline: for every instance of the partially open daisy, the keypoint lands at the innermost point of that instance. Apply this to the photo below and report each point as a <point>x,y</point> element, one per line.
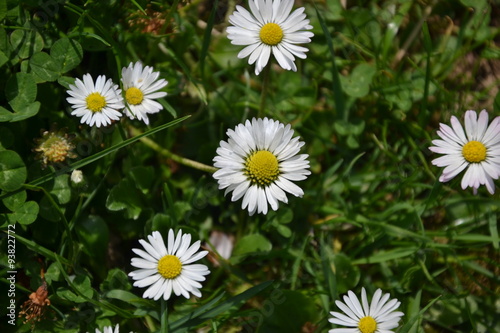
<point>141,87</point>
<point>97,104</point>
<point>478,150</point>
<point>258,163</point>
<point>169,268</point>
<point>378,317</point>
<point>270,28</point>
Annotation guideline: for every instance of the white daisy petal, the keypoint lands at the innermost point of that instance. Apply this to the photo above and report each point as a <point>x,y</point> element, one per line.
<point>270,28</point>
<point>258,164</point>
<point>474,150</point>
<point>379,316</point>
<point>169,272</point>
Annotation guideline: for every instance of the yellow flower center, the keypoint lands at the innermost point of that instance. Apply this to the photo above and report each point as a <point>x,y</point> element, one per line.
<point>474,152</point>
<point>262,168</point>
<point>271,34</point>
<point>95,102</point>
<point>134,96</point>
<point>169,267</point>
<point>367,325</point>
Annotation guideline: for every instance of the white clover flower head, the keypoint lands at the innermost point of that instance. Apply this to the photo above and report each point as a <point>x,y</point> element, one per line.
<point>258,163</point>
<point>96,104</point>
<point>141,87</point>
<point>477,150</point>
<point>270,28</point>
<point>164,268</point>
<point>377,317</point>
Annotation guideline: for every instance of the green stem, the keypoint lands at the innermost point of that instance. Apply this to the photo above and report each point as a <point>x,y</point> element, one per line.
<point>265,87</point>
<point>167,153</point>
<point>164,316</point>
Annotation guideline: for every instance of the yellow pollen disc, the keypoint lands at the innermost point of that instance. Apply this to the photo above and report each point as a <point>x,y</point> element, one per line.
<point>271,34</point>
<point>474,152</point>
<point>95,102</point>
<point>262,168</point>
<point>367,325</point>
<point>169,267</point>
<point>134,96</point>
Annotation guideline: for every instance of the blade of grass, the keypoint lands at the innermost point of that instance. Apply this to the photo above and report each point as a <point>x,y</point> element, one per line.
<point>206,38</point>
<point>232,303</point>
<point>337,86</point>
<point>95,157</point>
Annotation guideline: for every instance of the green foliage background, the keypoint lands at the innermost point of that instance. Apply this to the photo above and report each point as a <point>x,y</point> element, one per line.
<point>379,77</point>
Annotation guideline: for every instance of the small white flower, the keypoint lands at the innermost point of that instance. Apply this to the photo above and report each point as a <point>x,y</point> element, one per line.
<point>169,268</point>
<point>378,317</point>
<point>141,87</point>
<point>77,176</point>
<point>270,28</point>
<point>478,150</point>
<point>258,163</point>
<point>97,104</point>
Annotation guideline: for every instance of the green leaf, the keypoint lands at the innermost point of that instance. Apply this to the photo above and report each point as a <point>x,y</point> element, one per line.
<point>26,112</point>
<point>93,233</point>
<point>6,137</point>
<point>347,275</point>
<point>284,231</point>
<point>27,213</point>
<point>143,177</point>
<point>20,91</point>
<point>286,313</point>
<point>44,66</point>
<point>12,171</point>
<point>67,54</point>
<point>15,201</point>
<point>357,84</point>
<point>26,42</point>
<point>125,196</point>
<point>3,9</point>
<point>384,256</point>
<point>5,115</point>
<point>250,244</point>
<point>61,189</point>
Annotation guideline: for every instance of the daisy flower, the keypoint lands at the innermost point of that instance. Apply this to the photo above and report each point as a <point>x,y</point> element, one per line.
<point>477,150</point>
<point>167,268</point>
<point>270,28</point>
<point>109,329</point>
<point>258,163</point>
<point>141,87</point>
<point>378,317</point>
<point>97,104</point>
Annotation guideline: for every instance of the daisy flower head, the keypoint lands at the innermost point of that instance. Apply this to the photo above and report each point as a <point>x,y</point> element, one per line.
<point>164,268</point>
<point>95,103</point>
<point>109,329</point>
<point>141,86</point>
<point>477,150</point>
<point>377,317</point>
<point>270,28</point>
<point>258,163</point>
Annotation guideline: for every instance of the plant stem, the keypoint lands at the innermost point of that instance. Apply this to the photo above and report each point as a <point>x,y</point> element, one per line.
<point>167,153</point>
<point>164,316</point>
<point>265,87</point>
